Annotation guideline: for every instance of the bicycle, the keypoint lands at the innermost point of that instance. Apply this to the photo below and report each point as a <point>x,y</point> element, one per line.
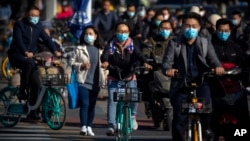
<point>193,107</point>
<point>124,96</point>
<point>51,100</point>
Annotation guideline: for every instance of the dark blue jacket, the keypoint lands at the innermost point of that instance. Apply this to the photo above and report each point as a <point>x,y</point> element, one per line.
<point>25,36</point>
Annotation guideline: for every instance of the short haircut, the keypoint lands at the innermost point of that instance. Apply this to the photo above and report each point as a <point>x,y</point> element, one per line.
<point>166,21</point>
<point>223,21</point>
<point>32,7</point>
<point>119,23</point>
<point>192,15</point>
<point>236,12</point>
<point>131,5</point>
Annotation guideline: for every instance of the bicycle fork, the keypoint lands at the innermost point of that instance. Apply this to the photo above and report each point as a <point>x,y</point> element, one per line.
<point>194,131</point>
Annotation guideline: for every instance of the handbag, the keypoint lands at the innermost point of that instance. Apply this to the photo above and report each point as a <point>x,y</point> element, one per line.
<point>72,88</point>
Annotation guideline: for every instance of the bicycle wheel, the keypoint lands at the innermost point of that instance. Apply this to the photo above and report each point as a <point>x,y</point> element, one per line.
<point>8,96</point>
<point>54,109</point>
<point>6,68</point>
<point>126,124</point>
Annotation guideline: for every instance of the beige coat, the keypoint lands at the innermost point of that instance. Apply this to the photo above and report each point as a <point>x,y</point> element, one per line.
<point>80,55</point>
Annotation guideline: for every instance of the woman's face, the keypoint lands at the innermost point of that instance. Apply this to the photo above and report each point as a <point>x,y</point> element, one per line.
<point>90,36</point>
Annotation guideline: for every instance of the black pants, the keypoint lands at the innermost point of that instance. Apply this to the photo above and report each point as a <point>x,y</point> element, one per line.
<point>30,80</point>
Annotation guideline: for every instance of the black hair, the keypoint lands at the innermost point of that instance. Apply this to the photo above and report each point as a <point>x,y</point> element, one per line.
<point>166,21</point>
<point>223,21</point>
<point>236,12</point>
<point>165,8</point>
<point>192,15</point>
<point>150,9</point>
<point>131,5</point>
<point>157,14</point>
<point>32,7</point>
<point>119,23</point>
<point>98,42</point>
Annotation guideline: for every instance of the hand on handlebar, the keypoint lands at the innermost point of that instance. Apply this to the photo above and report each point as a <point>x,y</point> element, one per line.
<point>58,54</point>
<point>218,71</point>
<point>147,66</point>
<point>105,65</point>
<point>29,54</point>
<point>171,72</point>
<point>85,66</point>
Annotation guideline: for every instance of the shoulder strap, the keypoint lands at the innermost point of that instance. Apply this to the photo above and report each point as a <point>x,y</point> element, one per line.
<point>204,43</point>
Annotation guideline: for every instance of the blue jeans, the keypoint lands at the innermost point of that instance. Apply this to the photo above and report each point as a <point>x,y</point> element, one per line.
<point>179,120</point>
<point>111,115</point>
<point>87,101</point>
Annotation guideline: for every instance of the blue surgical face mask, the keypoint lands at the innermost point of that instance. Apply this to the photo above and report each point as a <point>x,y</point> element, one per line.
<point>131,14</point>
<point>165,33</point>
<point>157,22</point>
<point>190,33</point>
<point>223,36</point>
<point>142,13</point>
<point>122,36</point>
<point>34,20</point>
<point>235,22</point>
<point>89,38</point>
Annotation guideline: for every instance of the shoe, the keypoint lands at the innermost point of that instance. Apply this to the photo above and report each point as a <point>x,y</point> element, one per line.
<point>90,132</point>
<point>34,115</point>
<point>110,132</point>
<point>83,131</point>
<point>135,124</point>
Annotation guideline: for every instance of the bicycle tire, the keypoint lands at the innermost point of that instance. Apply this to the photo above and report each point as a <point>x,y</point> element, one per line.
<point>6,68</point>
<point>126,124</point>
<point>8,95</point>
<point>54,109</point>
<point>119,121</point>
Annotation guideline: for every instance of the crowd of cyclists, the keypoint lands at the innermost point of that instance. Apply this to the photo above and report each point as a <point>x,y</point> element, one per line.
<point>165,44</point>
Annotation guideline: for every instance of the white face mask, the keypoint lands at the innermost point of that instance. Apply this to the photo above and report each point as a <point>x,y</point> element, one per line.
<point>166,17</point>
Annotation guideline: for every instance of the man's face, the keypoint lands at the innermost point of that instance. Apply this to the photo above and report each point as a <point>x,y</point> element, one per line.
<point>224,28</point>
<point>191,23</point>
<point>34,13</point>
<point>106,6</point>
<point>150,14</point>
<point>131,9</point>
<point>236,17</point>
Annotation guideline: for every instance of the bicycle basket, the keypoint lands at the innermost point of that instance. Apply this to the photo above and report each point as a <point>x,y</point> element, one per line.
<point>203,106</point>
<point>54,79</point>
<point>127,95</point>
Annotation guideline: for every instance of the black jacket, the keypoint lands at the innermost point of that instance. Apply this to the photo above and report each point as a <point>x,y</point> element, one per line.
<point>25,36</point>
<point>125,60</point>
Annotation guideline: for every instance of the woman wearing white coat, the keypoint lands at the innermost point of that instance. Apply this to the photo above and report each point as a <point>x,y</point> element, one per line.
<point>90,76</point>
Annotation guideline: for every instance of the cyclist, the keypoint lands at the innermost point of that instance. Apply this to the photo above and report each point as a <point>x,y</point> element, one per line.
<point>25,34</point>
<point>154,49</point>
<point>121,52</point>
<point>234,100</point>
<point>190,55</point>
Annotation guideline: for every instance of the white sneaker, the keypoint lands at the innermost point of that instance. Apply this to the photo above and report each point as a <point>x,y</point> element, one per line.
<point>90,132</point>
<point>110,132</point>
<point>135,124</point>
<point>83,131</point>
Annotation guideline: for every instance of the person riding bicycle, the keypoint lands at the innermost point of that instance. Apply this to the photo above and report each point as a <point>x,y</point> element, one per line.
<point>233,101</point>
<point>190,56</point>
<point>122,53</point>
<point>154,49</point>
<point>25,35</point>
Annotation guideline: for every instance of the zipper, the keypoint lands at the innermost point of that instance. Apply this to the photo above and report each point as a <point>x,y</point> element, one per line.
<point>30,38</point>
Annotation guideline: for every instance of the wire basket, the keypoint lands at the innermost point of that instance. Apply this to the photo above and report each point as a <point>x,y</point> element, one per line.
<point>202,106</point>
<point>127,95</point>
<point>54,79</point>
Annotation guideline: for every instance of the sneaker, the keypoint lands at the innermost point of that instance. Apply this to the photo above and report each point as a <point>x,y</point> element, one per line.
<point>83,131</point>
<point>90,132</point>
<point>135,125</point>
<point>110,132</point>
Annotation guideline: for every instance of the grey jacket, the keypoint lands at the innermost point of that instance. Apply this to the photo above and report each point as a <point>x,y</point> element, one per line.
<point>175,57</point>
